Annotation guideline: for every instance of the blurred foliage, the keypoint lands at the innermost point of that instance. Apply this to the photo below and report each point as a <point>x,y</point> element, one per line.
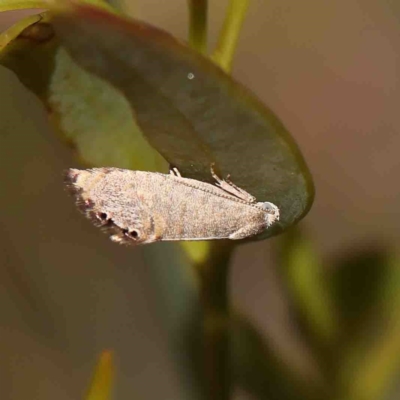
<point>102,382</point>
<point>226,46</point>
<point>347,313</point>
<point>131,92</point>
<point>7,5</point>
<point>262,371</point>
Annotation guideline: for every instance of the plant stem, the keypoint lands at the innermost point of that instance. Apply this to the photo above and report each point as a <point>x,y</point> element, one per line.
<point>227,42</point>
<point>198,25</point>
<point>216,317</point>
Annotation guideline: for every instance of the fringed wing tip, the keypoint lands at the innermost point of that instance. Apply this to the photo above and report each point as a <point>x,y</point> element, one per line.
<point>70,178</point>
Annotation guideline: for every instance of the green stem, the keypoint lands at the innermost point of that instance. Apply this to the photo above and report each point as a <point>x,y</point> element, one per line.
<point>198,25</point>
<point>216,317</point>
<point>224,52</point>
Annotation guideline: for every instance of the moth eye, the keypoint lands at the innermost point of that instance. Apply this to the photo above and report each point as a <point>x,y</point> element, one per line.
<point>103,216</point>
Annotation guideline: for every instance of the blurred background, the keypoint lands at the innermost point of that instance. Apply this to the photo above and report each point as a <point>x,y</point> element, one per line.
<point>330,71</point>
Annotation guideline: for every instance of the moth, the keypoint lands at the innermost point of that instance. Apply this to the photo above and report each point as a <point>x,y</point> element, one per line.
<point>137,207</point>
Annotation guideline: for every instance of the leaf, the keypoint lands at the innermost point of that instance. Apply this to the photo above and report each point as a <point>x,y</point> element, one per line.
<point>88,112</point>
<point>7,5</point>
<point>373,369</point>
<point>261,370</point>
<point>102,382</point>
<point>359,281</point>
<point>229,35</point>
<point>309,291</point>
<point>367,286</point>
<point>177,288</point>
<point>190,110</point>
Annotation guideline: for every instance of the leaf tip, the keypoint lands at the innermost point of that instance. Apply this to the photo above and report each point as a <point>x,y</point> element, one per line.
<point>102,381</point>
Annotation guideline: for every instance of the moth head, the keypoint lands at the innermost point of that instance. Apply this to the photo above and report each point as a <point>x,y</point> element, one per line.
<point>271,213</point>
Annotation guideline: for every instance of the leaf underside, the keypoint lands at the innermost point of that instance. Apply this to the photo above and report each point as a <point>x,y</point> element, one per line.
<point>190,110</point>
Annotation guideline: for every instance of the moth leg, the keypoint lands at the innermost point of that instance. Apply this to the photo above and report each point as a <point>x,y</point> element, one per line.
<point>231,188</point>
<point>175,172</point>
<point>246,195</point>
<point>243,233</point>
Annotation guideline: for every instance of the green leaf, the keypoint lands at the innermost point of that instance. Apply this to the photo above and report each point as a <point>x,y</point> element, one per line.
<point>367,287</point>
<point>88,112</point>
<point>359,281</point>
<point>28,49</point>
<point>229,36</point>
<point>102,382</point>
<point>198,24</point>
<point>261,370</point>
<point>8,5</point>
<point>190,110</point>
<point>308,288</point>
